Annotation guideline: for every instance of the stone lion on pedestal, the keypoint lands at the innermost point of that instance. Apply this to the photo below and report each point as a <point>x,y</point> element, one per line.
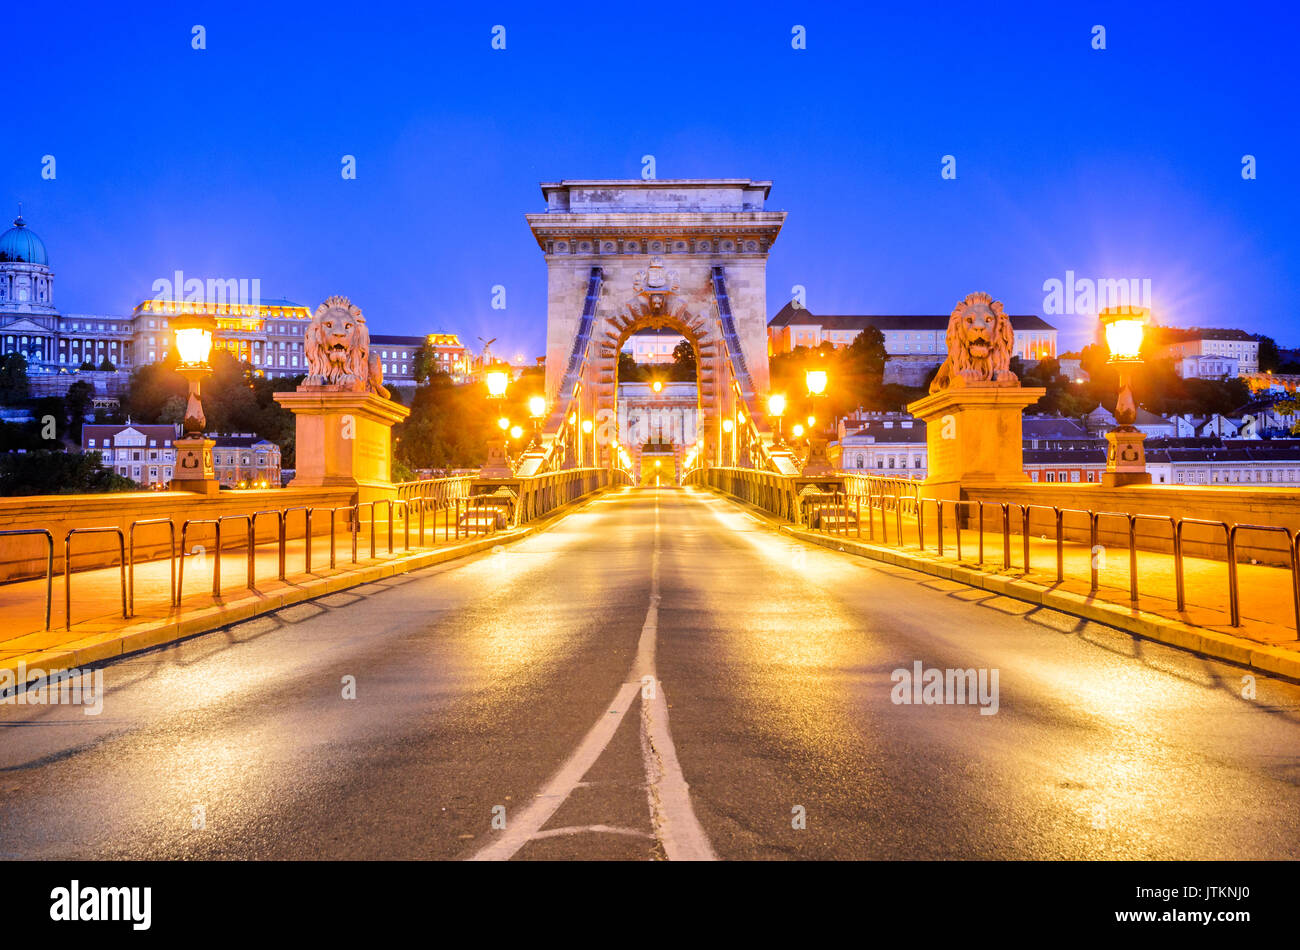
<point>337,348</point>
<point>980,343</point>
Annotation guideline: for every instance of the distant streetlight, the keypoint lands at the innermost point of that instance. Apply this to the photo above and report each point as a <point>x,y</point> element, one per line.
<point>776,409</point>
<point>816,381</point>
<point>536,411</point>
<point>797,431</point>
<point>497,381</point>
<point>498,457</point>
<point>657,386</point>
<point>1125,457</point>
<point>516,431</point>
<point>727,425</point>
<point>587,426</point>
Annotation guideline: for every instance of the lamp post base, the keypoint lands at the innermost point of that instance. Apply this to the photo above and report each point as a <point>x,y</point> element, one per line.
<point>1126,460</point>
<point>193,470</point>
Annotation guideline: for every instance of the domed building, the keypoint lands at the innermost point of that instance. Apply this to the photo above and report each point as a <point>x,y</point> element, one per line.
<point>28,321</point>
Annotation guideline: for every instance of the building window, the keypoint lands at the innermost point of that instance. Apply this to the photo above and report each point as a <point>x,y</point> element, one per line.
<point>1051,476</point>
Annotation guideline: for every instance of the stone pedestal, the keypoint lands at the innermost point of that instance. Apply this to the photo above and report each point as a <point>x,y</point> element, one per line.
<point>1126,459</point>
<point>973,436</point>
<point>497,464</point>
<point>344,439</point>
<point>194,470</point>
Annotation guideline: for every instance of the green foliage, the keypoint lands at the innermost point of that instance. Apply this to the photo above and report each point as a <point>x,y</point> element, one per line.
<point>107,366</point>
<point>1270,360</point>
<point>683,369</point>
<point>424,363</point>
<point>13,379</point>
<point>450,425</point>
<point>87,365</point>
<point>80,396</point>
<point>629,370</point>
<point>45,472</point>
<point>234,400</point>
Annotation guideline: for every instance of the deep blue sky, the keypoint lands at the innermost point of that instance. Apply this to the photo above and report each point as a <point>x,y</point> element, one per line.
<point>226,162</point>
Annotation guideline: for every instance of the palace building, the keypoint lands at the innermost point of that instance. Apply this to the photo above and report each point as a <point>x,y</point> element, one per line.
<point>266,334</point>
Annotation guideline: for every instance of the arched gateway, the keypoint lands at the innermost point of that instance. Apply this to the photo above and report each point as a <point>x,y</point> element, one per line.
<point>623,256</point>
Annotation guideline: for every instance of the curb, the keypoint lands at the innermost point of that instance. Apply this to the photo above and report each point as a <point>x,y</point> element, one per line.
<point>135,638</point>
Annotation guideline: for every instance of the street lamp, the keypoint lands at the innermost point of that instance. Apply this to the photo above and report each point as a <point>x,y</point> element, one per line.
<point>498,459</point>
<point>536,411</point>
<point>817,462</point>
<point>776,409</point>
<point>193,470</point>
<point>1126,462</point>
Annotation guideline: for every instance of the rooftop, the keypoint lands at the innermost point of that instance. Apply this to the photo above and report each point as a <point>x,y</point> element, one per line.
<point>790,315</point>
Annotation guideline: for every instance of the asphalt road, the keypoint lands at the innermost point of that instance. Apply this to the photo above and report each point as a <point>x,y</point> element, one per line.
<point>658,675</point>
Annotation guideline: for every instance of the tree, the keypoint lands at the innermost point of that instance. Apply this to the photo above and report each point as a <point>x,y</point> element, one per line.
<point>87,365</point>
<point>80,396</point>
<point>106,366</point>
<point>1289,409</point>
<point>45,472</point>
<point>1270,360</point>
<point>629,371</point>
<point>13,379</point>
<point>684,366</point>
<point>424,363</point>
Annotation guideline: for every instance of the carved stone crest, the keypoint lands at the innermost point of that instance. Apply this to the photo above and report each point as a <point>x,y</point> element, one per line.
<point>655,292</point>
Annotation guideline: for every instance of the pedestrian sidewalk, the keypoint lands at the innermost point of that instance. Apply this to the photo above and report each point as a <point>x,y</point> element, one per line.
<point>99,630</point>
<point>1265,638</point>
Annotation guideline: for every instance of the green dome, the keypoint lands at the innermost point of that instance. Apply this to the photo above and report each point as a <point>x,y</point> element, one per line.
<point>20,245</point>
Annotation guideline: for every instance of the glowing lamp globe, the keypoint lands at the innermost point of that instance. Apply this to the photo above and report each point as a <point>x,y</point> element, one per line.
<point>727,425</point>
<point>516,432</point>
<point>1125,327</point>
<point>816,380</point>
<point>776,405</point>
<point>537,406</point>
<point>504,423</point>
<point>798,431</point>
<point>497,380</point>
<point>193,334</point>
<point>587,426</point>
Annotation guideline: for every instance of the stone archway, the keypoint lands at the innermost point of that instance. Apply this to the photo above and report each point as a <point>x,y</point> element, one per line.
<point>656,303</point>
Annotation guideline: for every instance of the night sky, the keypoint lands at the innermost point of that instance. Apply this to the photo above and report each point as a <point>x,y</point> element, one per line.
<point>225,162</point>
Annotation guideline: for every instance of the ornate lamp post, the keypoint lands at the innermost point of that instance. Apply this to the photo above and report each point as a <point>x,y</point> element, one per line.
<point>537,412</point>
<point>498,461</point>
<point>193,470</point>
<point>776,409</point>
<point>817,463</point>
<point>1126,462</point>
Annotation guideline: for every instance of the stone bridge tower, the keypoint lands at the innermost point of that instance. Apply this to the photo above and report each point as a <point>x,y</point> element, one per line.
<point>622,256</point>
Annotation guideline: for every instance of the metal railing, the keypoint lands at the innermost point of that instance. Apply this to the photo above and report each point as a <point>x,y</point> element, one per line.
<point>442,490</point>
<point>877,506</point>
<point>67,568</point>
<point>889,497</point>
<point>49,563</point>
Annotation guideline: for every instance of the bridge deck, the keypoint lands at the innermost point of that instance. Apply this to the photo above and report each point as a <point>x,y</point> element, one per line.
<point>485,682</point>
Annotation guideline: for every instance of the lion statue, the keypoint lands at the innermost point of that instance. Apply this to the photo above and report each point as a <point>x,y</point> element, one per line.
<point>338,350</point>
<point>980,341</point>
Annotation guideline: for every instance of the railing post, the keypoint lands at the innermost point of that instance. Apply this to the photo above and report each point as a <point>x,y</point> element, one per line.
<point>1180,592</point>
<point>1092,548</point>
<point>1006,536</point>
<point>1234,595</point>
<point>1024,532</point>
<point>1060,544</point>
<point>1132,559</point>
